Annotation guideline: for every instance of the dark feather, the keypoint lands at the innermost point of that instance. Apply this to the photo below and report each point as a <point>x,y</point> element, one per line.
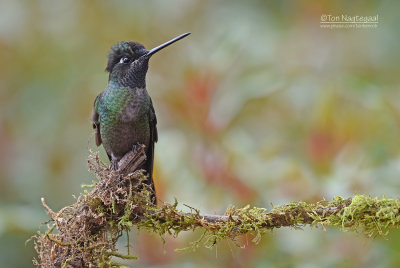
<point>150,150</point>
<point>95,122</point>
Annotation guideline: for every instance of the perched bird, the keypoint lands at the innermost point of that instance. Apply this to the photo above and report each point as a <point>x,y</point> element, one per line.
<point>123,114</point>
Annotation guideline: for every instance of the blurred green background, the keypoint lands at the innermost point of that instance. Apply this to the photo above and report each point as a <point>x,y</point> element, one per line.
<point>258,105</point>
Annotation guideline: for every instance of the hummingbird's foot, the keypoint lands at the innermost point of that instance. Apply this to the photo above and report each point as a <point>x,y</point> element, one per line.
<point>114,163</point>
<point>136,147</point>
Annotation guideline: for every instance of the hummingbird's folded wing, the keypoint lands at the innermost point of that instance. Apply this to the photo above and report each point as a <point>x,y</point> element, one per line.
<point>150,151</point>
<point>95,121</point>
<point>153,138</point>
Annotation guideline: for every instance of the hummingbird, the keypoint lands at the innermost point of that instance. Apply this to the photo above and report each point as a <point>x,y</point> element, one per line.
<point>123,114</point>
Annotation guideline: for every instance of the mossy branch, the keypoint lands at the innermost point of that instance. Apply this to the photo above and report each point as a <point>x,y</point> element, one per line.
<point>88,230</point>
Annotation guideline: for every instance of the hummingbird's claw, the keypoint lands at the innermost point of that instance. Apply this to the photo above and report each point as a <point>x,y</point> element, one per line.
<point>136,147</point>
<point>114,164</point>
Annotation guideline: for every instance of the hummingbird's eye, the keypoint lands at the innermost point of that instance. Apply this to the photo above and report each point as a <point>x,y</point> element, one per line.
<point>124,60</point>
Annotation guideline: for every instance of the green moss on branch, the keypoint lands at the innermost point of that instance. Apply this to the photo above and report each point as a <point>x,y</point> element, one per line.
<point>85,233</point>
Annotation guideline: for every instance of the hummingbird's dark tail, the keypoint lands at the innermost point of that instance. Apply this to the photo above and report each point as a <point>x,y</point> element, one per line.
<point>150,151</point>
<point>148,166</point>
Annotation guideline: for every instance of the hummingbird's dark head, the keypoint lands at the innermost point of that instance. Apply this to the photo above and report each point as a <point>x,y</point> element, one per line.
<point>128,62</point>
<point>121,57</point>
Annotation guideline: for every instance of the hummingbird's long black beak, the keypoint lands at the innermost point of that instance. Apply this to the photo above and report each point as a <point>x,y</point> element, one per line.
<point>154,50</point>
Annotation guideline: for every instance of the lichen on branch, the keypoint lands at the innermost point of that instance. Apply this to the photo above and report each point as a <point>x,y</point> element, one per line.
<point>85,234</point>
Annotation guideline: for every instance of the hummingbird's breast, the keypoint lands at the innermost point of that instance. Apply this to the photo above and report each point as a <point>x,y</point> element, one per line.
<point>124,120</point>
